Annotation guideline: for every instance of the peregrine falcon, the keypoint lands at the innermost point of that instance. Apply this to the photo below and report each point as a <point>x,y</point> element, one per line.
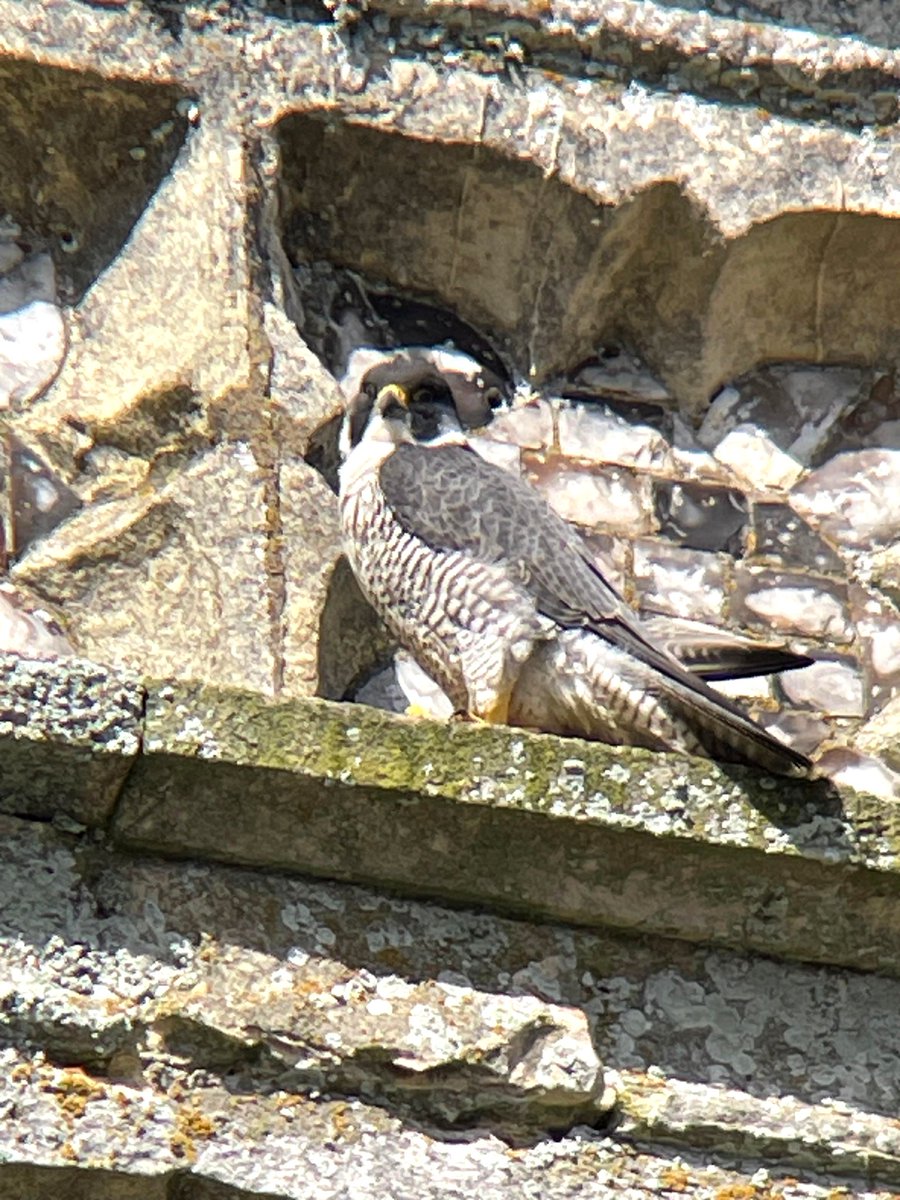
<point>497,599</point>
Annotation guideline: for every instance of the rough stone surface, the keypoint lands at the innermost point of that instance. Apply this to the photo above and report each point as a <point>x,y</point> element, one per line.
<point>152,1014</point>
<point>175,576</point>
<point>69,735</point>
<point>539,824</point>
<point>613,499</point>
<point>676,226</point>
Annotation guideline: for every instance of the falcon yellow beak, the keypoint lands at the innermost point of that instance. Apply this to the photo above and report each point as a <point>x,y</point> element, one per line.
<point>391,394</point>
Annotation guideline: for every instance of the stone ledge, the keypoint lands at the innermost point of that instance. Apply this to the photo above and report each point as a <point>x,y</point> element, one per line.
<point>578,832</point>
<point>69,733</point>
<point>827,1137</point>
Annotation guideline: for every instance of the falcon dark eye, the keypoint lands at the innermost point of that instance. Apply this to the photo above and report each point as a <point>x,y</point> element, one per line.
<point>494,396</point>
<point>423,395</point>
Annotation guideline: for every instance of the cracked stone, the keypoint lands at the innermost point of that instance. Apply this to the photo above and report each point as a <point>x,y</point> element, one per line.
<point>612,500</point>
<point>682,582</point>
<point>854,499</point>
<point>597,433</point>
<point>830,686</point>
<point>792,603</point>
<point>172,579</point>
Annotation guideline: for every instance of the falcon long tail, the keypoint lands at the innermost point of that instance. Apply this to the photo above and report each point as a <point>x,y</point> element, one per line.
<point>581,685</point>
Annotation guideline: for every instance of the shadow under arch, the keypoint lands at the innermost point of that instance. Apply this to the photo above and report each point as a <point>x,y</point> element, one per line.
<point>80,159</point>
<point>549,274</point>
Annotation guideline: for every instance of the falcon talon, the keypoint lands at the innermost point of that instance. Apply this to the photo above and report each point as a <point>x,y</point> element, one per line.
<point>497,600</point>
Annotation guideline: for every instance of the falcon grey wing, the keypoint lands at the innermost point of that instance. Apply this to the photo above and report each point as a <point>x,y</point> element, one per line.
<point>468,622</point>
<point>597,674</point>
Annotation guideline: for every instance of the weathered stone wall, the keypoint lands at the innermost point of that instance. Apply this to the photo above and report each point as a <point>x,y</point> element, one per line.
<point>680,227</point>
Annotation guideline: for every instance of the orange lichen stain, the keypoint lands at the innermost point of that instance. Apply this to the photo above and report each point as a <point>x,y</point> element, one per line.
<point>737,1191</point>
<point>651,1081</point>
<point>113,1005</point>
<point>190,1125</point>
<point>68,1152</point>
<point>675,1179</point>
<point>182,1146</point>
<point>342,1122</point>
<point>74,1091</point>
<point>308,987</point>
<point>22,1073</point>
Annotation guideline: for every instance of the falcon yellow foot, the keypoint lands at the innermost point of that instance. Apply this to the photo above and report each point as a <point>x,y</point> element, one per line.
<point>496,714</point>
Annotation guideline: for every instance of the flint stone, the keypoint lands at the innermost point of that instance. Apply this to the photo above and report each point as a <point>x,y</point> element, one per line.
<point>39,499</point>
<point>682,582</point>
<point>756,460</point>
<point>501,454</point>
<point>611,500</point>
<point>530,426</point>
<point>28,633</point>
<point>793,408</point>
<point>862,772</point>
<point>853,499</point>
<point>792,603</point>
<point>700,517</point>
<point>69,732</point>
<point>623,375</point>
<point>830,686</point>
<point>597,433</point>
<point>33,344</point>
<point>780,533</point>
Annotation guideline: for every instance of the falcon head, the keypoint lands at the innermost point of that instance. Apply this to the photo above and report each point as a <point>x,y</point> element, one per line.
<point>416,395</point>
